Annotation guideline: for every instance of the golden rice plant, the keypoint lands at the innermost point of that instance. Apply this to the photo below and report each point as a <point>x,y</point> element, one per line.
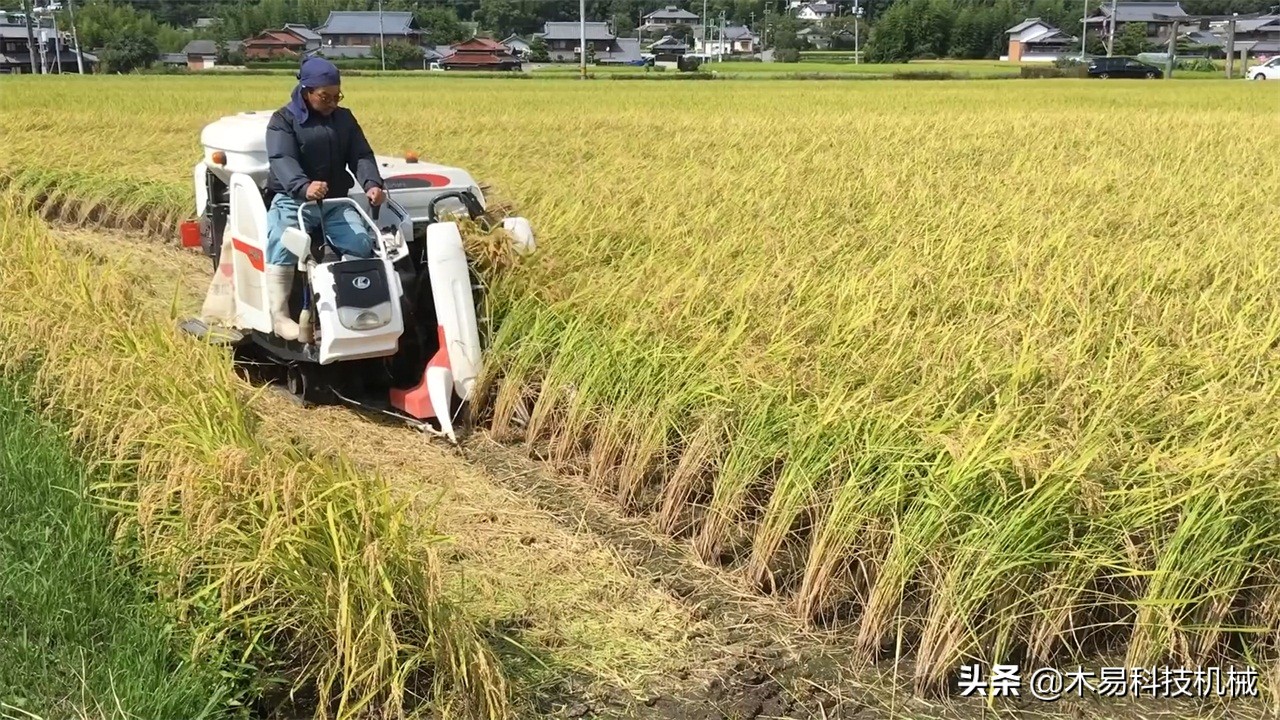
<point>985,366</point>
<point>305,561</point>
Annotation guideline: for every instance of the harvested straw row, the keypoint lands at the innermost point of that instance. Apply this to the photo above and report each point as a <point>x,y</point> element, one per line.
<point>82,198</point>
<point>305,560</point>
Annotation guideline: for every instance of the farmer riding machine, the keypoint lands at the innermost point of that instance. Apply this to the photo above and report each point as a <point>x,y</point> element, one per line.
<point>397,333</point>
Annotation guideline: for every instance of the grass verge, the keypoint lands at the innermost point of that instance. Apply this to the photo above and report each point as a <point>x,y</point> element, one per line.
<point>80,634</point>
<point>293,558</point>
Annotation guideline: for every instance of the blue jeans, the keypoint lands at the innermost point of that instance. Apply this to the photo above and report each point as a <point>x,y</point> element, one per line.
<point>343,226</point>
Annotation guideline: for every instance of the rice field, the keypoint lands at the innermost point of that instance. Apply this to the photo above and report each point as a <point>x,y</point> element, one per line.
<point>281,563</point>
<point>976,369</point>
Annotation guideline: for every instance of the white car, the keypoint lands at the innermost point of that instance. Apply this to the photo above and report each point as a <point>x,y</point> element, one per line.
<point>1269,70</point>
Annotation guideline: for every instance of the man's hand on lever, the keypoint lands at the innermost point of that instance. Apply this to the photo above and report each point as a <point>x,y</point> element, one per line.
<point>317,190</point>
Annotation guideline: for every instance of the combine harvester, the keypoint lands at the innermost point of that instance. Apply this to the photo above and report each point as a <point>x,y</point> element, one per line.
<point>396,334</point>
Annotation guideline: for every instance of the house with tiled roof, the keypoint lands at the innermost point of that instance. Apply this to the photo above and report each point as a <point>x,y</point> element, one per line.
<point>203,54</point>
<point>816,12</point>
<point>517,45</point>
<point>361,27</point>
<point>668,17</point>
<point>1152,16</point>
<point>737,40</point>
<point>288,41</point>
<point>563,39</point>
<point>15,49</point>
<point>1034,40</point>
<point>480,53</point>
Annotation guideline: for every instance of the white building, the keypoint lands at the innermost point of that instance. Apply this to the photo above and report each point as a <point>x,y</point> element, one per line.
<point>738,40</point>
<point>816,12</point>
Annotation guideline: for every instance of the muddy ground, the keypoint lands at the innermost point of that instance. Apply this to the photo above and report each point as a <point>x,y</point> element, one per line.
<point>599,615</point>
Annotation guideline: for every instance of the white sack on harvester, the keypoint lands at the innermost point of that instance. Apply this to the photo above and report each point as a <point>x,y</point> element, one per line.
<point>219,306</point>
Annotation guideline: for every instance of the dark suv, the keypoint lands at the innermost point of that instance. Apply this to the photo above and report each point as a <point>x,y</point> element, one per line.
<point>1122,67</point>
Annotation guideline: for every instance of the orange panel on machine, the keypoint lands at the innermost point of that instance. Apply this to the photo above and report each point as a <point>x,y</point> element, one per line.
<point>417,400</point>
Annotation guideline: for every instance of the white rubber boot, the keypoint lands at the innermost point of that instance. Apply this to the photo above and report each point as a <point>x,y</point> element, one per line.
<point>279,287</point>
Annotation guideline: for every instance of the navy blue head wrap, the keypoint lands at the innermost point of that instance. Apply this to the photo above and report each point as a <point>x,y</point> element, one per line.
<point>315,72</point>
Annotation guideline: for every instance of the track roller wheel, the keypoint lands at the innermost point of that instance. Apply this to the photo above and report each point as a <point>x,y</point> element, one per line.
<point>304,385</point>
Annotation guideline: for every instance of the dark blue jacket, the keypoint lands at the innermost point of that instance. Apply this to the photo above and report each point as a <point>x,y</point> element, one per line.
<point>318,150</point>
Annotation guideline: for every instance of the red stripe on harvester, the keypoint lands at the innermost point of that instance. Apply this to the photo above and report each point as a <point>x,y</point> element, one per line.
<point>432,178</point>
<point>253,253</point>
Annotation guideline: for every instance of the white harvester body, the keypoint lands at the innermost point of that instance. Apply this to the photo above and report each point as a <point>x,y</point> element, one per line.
<point>354,310</point>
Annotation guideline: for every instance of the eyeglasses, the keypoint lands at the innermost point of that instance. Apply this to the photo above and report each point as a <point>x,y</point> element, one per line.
<point>329,99</point>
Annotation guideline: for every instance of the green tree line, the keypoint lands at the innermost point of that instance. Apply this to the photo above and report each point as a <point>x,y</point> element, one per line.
<point>892,30</point>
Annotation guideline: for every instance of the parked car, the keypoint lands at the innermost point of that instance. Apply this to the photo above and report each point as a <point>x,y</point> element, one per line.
<point>1122,67</point>
<point>1269,70</point>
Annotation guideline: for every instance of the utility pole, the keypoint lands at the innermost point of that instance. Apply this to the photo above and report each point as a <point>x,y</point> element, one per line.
<point>382,43</point>
<point>857,52</point>
<point>704,26</point>
<point>1173,48</point>
<point>1111,36</point>
<point>44,47</point>
<point>57,42</point>
<point>721,36</point>
<point>1231,46</point>
<point>1084,29</point>
<point>75,37</point>
<point>31,36</point>
<point>582,40</point>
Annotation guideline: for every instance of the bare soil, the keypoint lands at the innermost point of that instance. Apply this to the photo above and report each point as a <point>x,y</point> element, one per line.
<point>596,613</point>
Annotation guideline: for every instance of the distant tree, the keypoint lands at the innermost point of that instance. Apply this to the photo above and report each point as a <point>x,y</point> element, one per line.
<point>934,20</point>
<point>129,51</point>
<point>500,16</point>
<point>440,26</point>
<point>399,54</point>
<point>784,34</point>
<point>1132,40</point>
<point>226,56</point>
<point>892,38</point>
<point>681,31</point>
<point>99,23</point>
<point>538,50</point>
<point>968,36</point>
<point>623,25</point>
<point>1094,45</point>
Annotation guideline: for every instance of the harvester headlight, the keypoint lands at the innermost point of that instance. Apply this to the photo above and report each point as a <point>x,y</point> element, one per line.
<point>359,319</point>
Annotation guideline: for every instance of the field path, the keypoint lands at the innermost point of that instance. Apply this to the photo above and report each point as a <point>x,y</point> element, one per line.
<point>597,615</point>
